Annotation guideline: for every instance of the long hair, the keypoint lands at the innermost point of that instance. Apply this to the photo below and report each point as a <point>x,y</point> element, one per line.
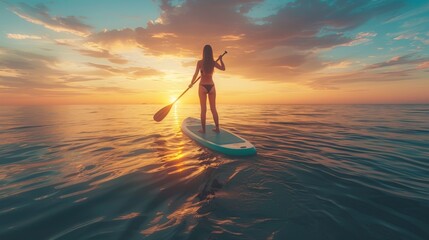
<point>208,61</point>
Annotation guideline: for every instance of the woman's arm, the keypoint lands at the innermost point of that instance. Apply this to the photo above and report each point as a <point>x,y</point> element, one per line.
<point>197,69</point>
<point>220,66</point>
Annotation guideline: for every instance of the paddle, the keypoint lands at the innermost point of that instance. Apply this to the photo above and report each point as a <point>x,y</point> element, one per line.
<point>161,114</point>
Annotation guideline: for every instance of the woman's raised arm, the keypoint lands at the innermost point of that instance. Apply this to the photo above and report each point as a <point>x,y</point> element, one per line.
<point>220,66</point>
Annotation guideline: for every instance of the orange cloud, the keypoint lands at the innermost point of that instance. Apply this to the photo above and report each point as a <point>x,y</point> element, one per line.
<point>164,35</point>
<point>102,53</point>
<point>232,37</point>
<point>339,65</point>
<point>424,65</point>
<point>24,73</point>
<point>130,72</point>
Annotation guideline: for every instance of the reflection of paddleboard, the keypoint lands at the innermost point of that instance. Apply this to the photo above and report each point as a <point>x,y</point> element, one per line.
<point>224,142</point>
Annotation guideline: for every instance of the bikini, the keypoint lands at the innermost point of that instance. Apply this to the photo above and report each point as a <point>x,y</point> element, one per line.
<point>208,87</point>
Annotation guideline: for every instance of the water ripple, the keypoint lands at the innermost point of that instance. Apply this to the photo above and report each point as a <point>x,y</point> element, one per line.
<point>110,172</point>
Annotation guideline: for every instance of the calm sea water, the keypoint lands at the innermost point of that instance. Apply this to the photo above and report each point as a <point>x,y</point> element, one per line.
<point>111,172</point>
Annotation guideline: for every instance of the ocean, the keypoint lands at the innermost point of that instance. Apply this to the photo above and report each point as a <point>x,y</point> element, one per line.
<point>111,172</point>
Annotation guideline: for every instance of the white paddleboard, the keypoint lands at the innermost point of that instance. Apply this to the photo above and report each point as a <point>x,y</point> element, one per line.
<point>224,142</point>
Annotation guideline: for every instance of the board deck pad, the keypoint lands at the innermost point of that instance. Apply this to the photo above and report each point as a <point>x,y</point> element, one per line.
<point>218,138</point>
<point>224,142</point>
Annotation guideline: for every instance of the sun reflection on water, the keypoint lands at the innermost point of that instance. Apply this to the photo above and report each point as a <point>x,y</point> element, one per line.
<point>175,115</point>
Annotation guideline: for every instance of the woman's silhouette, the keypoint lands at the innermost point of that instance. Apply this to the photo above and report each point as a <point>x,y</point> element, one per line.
<point>207,87</point>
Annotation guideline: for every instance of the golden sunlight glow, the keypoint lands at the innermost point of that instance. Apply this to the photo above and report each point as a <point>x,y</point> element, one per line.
<point>164,35</point>
<point>172,99</point>
<point>232,37</point>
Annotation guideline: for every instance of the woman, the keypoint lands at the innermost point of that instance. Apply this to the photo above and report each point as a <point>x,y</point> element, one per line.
<point>207,87</point>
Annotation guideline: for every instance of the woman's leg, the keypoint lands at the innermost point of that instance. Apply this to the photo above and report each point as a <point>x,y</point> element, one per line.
<point>212,101</point>
<point>203,99</point>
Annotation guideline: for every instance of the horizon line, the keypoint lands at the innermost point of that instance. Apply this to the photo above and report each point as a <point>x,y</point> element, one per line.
<point>253,104</point>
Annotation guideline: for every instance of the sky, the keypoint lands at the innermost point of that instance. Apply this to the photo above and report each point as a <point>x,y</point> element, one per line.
<point>279,52</point>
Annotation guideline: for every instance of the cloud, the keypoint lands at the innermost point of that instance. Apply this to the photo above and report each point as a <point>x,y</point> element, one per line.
<point>290,61</point>
<point>423,65</point>
<point>406,67</point>
<point>415,22</point>
<point>34,74</point>
<point>102,53</point>
<point>232,37</point>
<point>412,36</point>
<point>334,81</point>
<point>112,38</point>
<point>66,42</point>
<point>286,46</point>
<point>114,89</point>
<point>39,14</point>
<point>164,35</point>
<point>22,36</point>
<point>80,78</point>
<point>326,41</point>
<point>26,61</point>
<point>301,28</point>
<point>405,36</point>
<point>130,72</point>
<point>361,37</point>
<point>339,65</point>
<point>399,60</point>
<point>409,14</point>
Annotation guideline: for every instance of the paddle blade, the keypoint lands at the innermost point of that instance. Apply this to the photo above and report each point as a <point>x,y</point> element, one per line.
<point>161,114</point>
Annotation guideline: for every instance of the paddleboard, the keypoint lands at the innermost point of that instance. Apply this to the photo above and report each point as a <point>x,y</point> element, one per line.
<point>224,142</point>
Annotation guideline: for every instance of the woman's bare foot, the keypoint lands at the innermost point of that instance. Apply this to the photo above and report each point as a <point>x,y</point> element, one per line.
<point>201,131</point>
<point>216,130</point>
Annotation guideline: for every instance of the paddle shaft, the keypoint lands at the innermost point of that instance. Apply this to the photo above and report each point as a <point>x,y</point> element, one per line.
<point>196,80</point>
